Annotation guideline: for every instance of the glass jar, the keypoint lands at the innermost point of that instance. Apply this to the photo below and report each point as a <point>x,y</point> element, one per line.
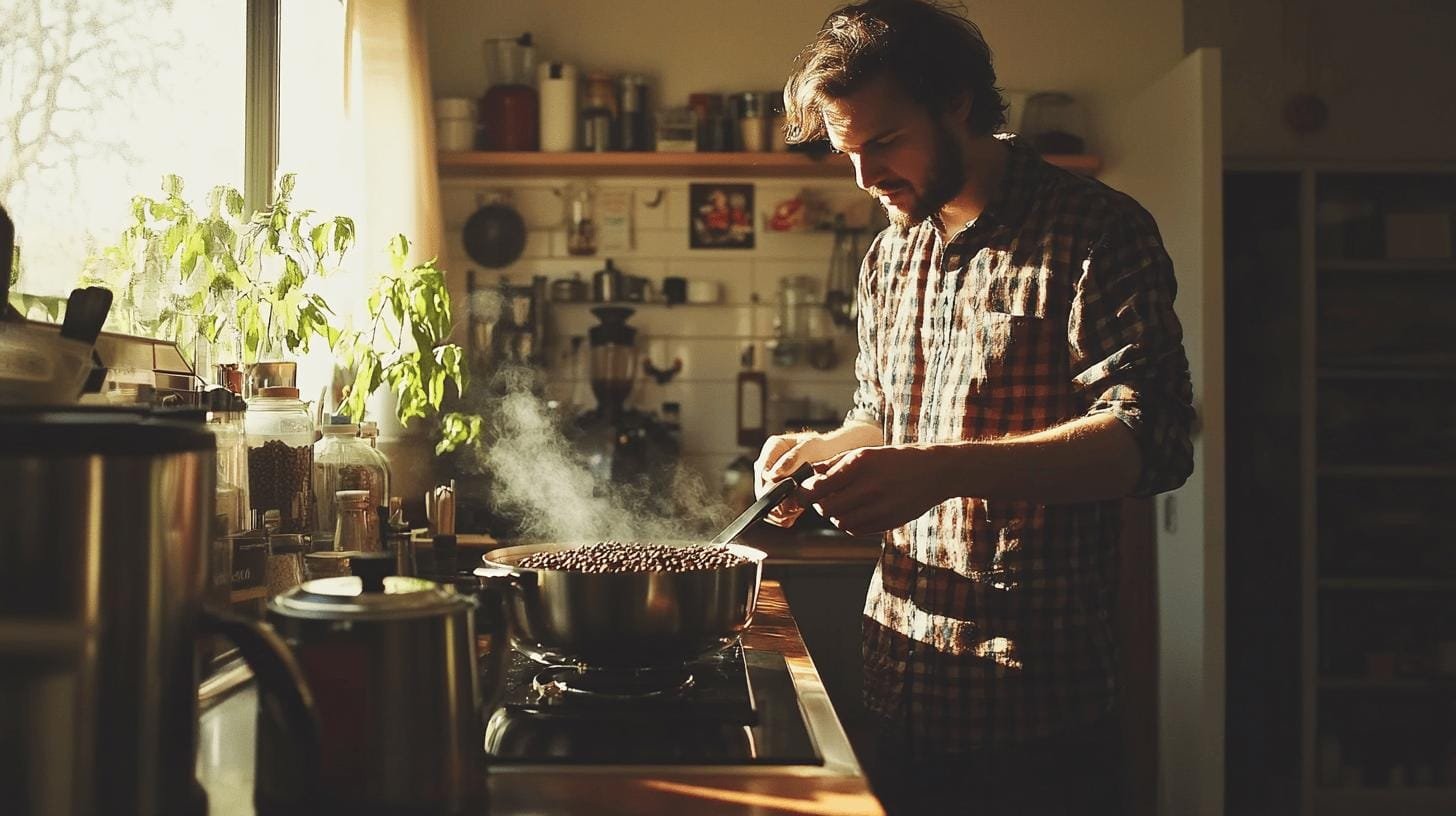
<point>1054,123</point>
<point>581,224</point>
<point>280,458</point>
<point>351,524</point>
<point>509,112</point>
<point>226,420</point>
<point>342,460</point>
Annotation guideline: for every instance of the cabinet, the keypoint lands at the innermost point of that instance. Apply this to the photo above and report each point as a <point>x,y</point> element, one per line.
<point>1373,477</point>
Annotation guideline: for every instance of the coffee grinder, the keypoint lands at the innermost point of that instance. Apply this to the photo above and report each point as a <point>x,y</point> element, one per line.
<point>619,443</point>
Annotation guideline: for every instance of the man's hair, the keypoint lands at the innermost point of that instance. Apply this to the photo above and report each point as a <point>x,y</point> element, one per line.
<point>934,54</point>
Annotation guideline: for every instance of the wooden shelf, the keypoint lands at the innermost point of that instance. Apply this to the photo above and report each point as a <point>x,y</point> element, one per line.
<point>1411,801</point>
<point>1389,684</point>
<point>739,165</point>
<point>1387,265</point>
<point>1390,584</point>
<point>1388,471</point>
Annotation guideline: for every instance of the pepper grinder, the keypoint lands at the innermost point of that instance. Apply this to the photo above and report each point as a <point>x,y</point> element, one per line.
<point>440,510</point>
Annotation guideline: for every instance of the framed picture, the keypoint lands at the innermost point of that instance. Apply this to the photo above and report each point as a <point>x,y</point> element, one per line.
<point>720,216</point>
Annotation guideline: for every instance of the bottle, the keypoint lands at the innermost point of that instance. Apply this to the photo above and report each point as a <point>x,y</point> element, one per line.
<point>510,111</point>
<point>351,530</point>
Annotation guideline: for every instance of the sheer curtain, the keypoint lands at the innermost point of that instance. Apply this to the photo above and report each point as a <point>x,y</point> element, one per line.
<point>388,107</point>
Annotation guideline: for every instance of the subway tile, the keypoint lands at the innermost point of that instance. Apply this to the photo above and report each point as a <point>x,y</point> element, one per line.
<point>649,208</point>
<point>811,246</point>
<point>540,207</point>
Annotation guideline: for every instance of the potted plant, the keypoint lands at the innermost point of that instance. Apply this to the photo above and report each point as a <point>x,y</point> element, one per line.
<point>233,287</point>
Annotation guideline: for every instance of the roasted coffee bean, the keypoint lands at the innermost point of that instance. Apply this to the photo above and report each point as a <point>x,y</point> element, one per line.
<point>617,556</point>
<point>279,479</point>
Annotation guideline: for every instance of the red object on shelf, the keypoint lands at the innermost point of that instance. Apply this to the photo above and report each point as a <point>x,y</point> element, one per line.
<point>508,118</point>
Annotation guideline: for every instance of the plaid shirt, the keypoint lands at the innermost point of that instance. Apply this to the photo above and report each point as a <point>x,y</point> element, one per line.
<point>990,622</point>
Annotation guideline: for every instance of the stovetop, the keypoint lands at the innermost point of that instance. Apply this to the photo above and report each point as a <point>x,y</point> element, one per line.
<point>735,707</point>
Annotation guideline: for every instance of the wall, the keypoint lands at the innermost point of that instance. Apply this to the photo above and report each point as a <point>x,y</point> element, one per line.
<point>709,339</point>
<point>1386,71</point>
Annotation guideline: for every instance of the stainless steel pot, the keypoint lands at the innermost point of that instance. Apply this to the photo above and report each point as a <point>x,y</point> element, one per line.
<point>107,515</point>
<point>627,619</point>
<point>391,663</point>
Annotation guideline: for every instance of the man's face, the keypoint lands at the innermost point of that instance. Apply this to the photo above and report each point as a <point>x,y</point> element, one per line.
<point>903,156</point>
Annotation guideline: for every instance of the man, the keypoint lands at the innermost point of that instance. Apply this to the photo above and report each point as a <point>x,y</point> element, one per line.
<point>1020,370</point>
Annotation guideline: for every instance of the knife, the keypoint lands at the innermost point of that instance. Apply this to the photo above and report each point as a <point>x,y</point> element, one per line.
<point>770,499</point>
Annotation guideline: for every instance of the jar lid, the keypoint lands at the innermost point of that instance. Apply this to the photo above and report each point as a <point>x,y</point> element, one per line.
<point>344,598</point>
<point>278,391</point>
<point>352,497</point>
<point>340,429</point>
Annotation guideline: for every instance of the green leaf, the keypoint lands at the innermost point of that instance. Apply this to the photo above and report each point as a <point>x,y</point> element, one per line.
<point>234,202</point>
<point>343,234</point>
<point>172,185</point>
<point>285,185</point>
<point>398,252</point>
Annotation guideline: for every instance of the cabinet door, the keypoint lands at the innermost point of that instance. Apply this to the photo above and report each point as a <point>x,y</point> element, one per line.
<point>1169,156</point>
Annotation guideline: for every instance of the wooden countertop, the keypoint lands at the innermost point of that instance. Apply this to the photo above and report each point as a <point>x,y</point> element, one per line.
<point>225,761</point>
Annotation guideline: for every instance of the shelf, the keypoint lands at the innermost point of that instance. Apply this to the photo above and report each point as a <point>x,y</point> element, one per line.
<point>1403,801</point>
<point>1388,471</point>
<point>1392,372</point>
<point>791,165</point>
<point>1387,265</point>
<point>1391,684</point>
<point>1390,584</point>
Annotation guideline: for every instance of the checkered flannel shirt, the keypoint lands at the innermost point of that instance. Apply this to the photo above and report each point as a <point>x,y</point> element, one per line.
<point>991,622</point>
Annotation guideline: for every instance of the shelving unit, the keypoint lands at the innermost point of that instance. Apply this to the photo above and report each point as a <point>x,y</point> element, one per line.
<point>791,165</point>
<point>1378,442</point>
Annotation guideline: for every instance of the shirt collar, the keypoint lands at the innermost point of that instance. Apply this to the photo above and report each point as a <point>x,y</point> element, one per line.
<point>1013,197</point>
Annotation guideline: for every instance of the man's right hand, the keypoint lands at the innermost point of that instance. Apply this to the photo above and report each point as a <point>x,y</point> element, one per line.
<point>780,457</point>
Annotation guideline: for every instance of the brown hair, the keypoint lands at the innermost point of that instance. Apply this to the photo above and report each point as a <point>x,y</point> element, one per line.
<point>933,53</point>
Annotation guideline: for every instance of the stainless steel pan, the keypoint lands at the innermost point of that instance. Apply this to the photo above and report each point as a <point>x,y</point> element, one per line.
<point>624,620</point>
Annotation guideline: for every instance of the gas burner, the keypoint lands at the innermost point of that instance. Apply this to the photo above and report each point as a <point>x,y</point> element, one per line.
<point>556,684</point>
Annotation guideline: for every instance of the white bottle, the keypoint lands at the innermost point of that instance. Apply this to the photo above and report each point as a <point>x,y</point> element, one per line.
<point>556,83</point>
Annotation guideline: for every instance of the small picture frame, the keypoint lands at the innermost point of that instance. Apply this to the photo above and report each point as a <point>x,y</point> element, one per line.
<point>720,216</point>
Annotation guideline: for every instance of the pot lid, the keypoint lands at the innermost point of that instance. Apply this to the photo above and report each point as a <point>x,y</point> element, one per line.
<point>345,598</point>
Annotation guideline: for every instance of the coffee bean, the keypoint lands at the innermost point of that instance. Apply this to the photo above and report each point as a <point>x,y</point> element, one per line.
<point>617,556</point>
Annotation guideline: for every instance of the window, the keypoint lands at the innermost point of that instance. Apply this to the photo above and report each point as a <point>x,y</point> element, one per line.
<point>99,99</point>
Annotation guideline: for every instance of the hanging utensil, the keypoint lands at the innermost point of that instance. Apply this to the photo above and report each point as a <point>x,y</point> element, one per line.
<point>495,234</point>
<point>842,281</point>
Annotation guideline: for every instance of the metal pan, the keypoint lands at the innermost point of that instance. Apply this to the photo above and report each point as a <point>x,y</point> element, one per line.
<point>495,235</point>
<point>626,620</point>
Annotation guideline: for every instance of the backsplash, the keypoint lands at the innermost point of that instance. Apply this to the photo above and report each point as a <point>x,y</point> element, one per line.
<point>709,339</point>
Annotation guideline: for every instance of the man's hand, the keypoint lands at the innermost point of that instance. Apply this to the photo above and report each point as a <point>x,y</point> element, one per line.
<point>870,490</point>
<point>780,457</point>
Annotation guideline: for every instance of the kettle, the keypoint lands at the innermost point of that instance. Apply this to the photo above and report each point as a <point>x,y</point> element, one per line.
<point>607,284</point>
<point>391,662</point>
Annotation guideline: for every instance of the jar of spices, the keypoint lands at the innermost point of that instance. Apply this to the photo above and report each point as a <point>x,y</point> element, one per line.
<point>581,223</point>
<point>751,123</point>
<point>280,458</point>
<point>342,460</point>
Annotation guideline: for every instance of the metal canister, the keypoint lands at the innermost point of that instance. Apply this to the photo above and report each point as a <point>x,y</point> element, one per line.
<point>391,664</point>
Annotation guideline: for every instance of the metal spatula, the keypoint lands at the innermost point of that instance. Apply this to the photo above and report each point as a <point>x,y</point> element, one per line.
<point>767,502</point>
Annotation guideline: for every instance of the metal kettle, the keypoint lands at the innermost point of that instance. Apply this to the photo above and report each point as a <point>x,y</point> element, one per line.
<point>391,662</point>
<point>607,284</point>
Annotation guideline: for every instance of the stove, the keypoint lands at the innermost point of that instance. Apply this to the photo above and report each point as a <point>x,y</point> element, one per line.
<point>734,707</point>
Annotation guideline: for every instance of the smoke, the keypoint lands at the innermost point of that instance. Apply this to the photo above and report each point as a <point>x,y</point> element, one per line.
<point>539,479</point>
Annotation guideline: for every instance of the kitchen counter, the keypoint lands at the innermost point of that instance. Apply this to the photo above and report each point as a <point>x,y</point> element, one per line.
<point>225,759</point>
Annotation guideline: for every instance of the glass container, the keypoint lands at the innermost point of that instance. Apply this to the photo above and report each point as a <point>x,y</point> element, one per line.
<point>581,224</point>
<point>280,458</point>
<point>351,525</point>
<point>510,110</point>
<point>1054,123</point>
<point>613,357</point>
<point>227,422</point>
<point>343,461</point>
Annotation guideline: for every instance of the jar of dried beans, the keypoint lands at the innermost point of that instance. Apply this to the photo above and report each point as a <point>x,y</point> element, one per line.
<point>280,458</point>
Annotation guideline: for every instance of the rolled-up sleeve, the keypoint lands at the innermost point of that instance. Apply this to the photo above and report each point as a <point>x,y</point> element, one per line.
<point>869,398</point>
<point>1126,348</point>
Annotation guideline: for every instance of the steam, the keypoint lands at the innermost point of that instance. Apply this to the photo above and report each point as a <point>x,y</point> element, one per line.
<point>542,482</point>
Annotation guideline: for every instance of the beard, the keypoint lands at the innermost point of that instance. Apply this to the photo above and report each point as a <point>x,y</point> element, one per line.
<point>946,177</point>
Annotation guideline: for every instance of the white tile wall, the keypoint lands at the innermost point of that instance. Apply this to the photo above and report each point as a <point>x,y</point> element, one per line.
<point>709,339</point>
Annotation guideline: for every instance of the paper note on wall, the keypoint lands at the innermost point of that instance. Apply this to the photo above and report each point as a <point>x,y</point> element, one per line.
<point>615,222</point>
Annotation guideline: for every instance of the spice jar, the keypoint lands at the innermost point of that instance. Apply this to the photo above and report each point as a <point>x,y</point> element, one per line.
<point>751,123</point>
<point>280,458</point>
<point>342,460</point>
<point>352,523</point>
<point>285,563</point>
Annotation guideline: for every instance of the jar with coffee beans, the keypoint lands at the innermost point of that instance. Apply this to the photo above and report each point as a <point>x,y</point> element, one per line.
<point>280,457</point>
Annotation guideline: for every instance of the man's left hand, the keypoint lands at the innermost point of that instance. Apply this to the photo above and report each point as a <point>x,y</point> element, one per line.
<point>870,490</point>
